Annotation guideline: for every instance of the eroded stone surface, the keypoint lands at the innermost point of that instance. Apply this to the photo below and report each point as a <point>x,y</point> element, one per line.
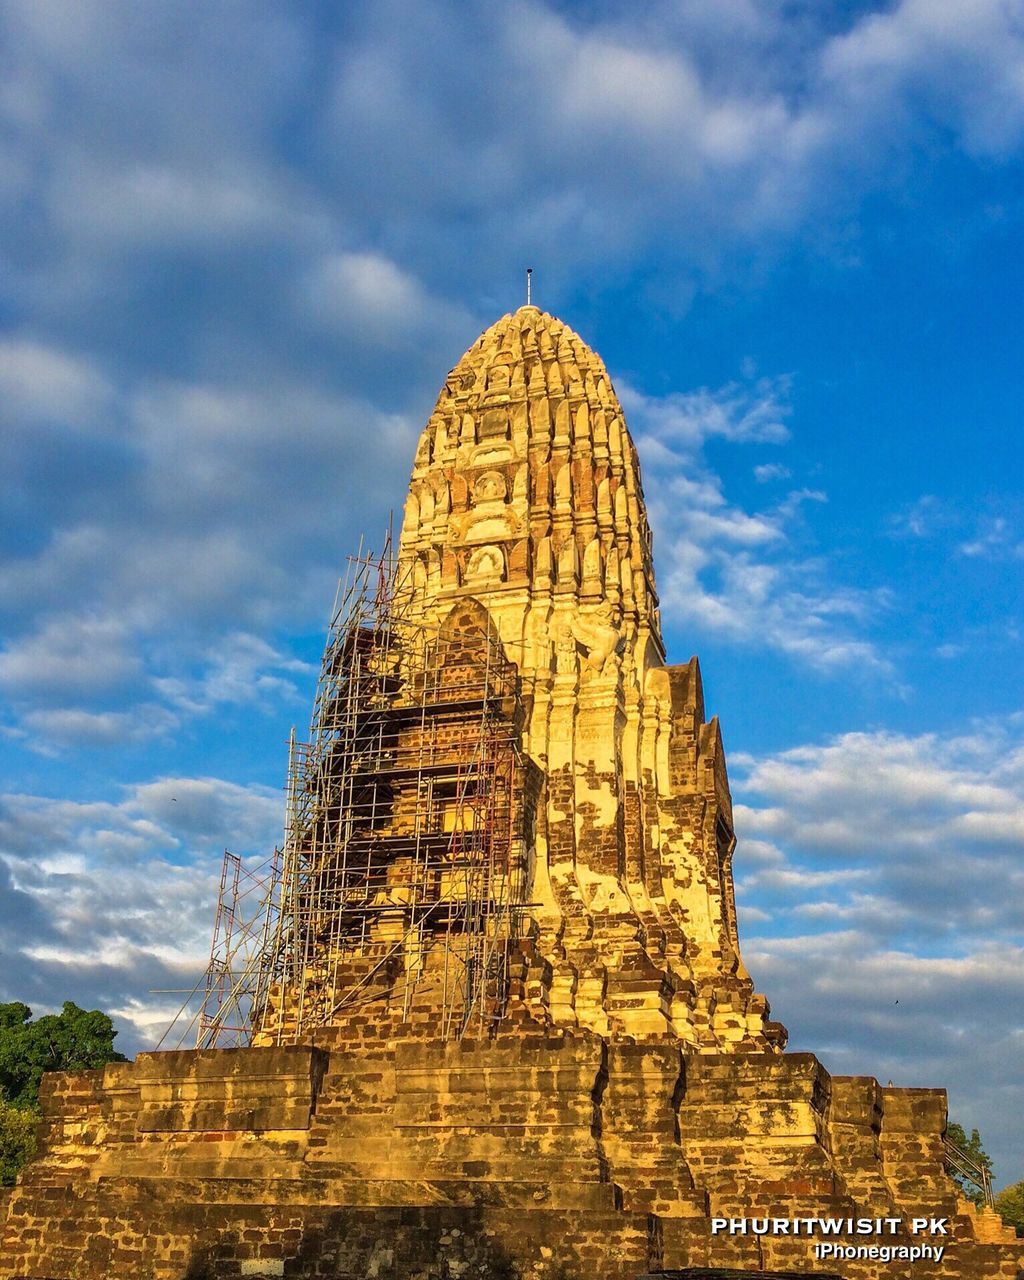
<point>549,1157</point>
<point>526,496</point>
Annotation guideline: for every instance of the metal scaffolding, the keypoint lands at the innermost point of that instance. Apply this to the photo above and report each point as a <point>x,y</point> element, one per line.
<point>243,926</point>
<point>402,878</point>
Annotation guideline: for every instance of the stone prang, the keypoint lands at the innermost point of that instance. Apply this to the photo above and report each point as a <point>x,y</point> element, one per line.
<point>526,497</point>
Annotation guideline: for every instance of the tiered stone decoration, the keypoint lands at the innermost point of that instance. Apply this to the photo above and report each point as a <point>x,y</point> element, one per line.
<point>526,496</point>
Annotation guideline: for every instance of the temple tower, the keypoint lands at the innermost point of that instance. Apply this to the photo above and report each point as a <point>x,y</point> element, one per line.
<point>526,498</point>
<point>510,674</point>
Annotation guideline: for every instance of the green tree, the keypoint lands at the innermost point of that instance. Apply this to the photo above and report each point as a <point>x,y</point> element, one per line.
<point>73,1040</point>
<point>1010,1206</point>
<point>17,1139</point>
<point>975,1152</point>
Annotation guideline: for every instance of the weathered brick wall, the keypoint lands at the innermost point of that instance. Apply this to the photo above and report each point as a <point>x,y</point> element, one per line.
<point>560,1157</point>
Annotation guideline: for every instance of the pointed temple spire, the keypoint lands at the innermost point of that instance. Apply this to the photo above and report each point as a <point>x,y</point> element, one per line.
<point>526,498</point>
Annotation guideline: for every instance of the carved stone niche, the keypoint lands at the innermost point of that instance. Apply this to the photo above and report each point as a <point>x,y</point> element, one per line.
<point>490,518</point>
<point>499,376</point>
<point>494,425</point>
<point>490,486</point>
<point>486,564</point>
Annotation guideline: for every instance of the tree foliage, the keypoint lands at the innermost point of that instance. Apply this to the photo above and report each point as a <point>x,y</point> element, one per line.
<point>73,1040</point>
<point>971,1147</point>
<point>1010,1206</point>
<point>17,1139</point>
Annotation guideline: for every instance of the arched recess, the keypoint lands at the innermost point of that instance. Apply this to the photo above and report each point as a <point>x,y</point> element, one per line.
<point>470,637</point>
<point>487,563</point>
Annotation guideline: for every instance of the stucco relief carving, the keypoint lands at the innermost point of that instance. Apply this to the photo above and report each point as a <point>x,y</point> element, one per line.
<point>600,638</point>
<point>489,486</point>
<point>486,563</point>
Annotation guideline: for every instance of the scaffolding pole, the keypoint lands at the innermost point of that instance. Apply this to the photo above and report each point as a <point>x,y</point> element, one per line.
<point>401,883</point>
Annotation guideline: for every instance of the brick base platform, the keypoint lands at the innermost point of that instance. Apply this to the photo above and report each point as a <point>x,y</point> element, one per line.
<point>548,1158</point>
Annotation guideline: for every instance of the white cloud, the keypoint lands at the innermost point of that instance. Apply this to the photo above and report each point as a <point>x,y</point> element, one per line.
<point>996,539</point>
<point>988,535</point>
<point>765,472</point>
<point>110,899</point>
<point>209,813</point>
<point>889,792</point>
<point>156,205</point>
<point>231,515</point>
<point>85,655</point>
<point>240,669</point>
<point>750,577</point>
<point>961,60</point>
<point>38,382</point>
<point>76,727</point>
<point>882,875</point>
<point>753,413</point>
<point>923,518</point>
<point>366,287</point>
<point>367,300</point>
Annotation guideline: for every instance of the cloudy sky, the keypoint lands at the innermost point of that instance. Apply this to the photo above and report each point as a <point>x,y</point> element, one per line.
<point>243,243</point>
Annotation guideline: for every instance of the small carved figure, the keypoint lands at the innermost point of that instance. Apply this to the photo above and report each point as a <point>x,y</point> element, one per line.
<point>486,562</point>
<point>565,650</point>
<point>489,487</point>
<point>600,639</point>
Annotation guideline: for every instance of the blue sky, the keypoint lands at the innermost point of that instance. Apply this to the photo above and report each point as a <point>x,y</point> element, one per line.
<point>243,243</point>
